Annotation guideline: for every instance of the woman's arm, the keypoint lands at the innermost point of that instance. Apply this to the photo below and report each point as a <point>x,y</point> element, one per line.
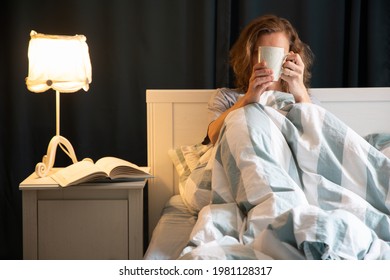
<point>261,79</point>
<point>215,126</point>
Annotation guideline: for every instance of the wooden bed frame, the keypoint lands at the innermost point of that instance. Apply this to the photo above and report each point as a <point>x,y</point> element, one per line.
<point>179,117</point>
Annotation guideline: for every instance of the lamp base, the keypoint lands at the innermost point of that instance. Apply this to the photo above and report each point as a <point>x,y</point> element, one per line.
<point>43,168</point>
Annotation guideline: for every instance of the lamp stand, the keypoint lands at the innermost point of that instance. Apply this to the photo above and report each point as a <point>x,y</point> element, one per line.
<point>43,168</point>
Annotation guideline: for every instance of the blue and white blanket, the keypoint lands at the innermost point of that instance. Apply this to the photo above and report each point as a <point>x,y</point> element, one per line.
<point>293,182</point>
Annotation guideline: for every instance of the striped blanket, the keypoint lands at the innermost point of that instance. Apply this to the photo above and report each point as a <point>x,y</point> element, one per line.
<point>293,182</point>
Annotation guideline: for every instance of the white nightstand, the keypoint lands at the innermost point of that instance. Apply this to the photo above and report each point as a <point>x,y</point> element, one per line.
<point>88,221</point>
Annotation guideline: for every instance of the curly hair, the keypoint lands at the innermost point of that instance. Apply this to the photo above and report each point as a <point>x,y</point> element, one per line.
<point>241,52</point>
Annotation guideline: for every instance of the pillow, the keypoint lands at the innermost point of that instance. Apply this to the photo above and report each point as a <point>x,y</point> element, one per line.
<point>190,162</point>
<point>381,141</point>
<point>197,189</point>
<point>179,163</point>
<point>192,154</point>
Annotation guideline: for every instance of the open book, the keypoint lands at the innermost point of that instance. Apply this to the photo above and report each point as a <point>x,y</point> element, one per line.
<point>105,168</point>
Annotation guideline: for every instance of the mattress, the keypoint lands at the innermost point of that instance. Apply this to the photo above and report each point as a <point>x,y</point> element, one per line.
<point>172,232</point>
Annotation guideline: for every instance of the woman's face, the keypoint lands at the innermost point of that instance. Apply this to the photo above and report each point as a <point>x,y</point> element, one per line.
<point>276,39</point>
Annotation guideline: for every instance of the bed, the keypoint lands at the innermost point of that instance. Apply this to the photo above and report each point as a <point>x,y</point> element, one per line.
<point>178,118</point>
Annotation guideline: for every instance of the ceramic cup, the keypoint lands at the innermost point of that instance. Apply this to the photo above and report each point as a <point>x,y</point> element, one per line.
<point>274,57</point>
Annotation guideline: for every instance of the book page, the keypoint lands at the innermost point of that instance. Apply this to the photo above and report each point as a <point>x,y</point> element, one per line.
<point>82,171</point>
<point>119,168</point>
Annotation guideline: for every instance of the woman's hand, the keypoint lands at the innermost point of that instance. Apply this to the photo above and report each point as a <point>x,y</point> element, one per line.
<point>292,73</point>
<point>260,80</point>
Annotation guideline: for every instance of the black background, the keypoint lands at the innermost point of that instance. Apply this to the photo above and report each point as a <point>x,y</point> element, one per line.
<point>163,44</point>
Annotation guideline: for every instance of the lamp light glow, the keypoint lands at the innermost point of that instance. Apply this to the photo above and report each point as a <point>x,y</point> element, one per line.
<point>60,63</point>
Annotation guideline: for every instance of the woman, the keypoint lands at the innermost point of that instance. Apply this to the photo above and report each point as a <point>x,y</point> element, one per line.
<point>292,169</point>
<point>254,78</point>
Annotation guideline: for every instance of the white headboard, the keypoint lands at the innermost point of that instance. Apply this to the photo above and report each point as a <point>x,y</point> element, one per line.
<point>179,117</point>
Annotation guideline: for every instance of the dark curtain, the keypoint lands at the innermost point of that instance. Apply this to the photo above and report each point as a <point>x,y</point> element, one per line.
<point>350,38</point>
<point>136,45</point>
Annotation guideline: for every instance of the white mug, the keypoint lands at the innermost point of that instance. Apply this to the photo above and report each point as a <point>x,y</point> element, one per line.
<point>274,57</point>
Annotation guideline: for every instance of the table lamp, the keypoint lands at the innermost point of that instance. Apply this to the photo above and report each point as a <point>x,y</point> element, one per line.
<point>62,63</point>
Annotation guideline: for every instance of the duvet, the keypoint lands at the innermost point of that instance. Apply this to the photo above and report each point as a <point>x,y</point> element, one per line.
<point>291,181</point>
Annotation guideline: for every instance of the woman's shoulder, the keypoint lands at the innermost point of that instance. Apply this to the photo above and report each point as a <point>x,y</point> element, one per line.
<point>229,91</point>
<point>229,94</point>
<point>224,98</point>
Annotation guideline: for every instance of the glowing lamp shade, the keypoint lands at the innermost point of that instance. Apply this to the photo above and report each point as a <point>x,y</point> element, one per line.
<point>60,63</point>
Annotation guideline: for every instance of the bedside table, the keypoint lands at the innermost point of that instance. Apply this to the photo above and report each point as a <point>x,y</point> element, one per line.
<point>88,221</point>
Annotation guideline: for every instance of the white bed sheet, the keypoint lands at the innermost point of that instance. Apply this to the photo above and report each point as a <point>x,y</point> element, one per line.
<point>172,232</point>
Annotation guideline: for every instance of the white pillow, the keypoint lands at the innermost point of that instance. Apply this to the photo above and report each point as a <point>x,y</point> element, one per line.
<point>190,162</point>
